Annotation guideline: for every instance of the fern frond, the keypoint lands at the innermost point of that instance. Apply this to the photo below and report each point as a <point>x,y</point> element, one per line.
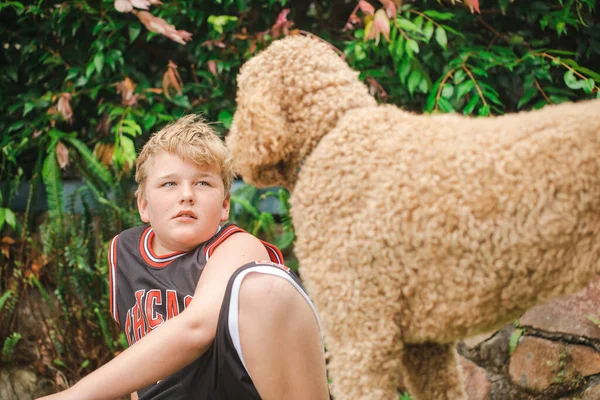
<point>10,345</point>
<point>246,205</point>
<point>5,298</point>
<point>93,165</point>
<point>54,189</point>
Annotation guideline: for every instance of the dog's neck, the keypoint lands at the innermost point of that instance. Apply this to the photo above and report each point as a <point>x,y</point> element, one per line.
<point>316,115</point>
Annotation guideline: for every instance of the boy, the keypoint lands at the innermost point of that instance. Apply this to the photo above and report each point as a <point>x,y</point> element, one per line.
<point>248,333</point>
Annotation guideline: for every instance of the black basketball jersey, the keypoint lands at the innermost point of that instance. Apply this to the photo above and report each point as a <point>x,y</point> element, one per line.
<point>146,290</point>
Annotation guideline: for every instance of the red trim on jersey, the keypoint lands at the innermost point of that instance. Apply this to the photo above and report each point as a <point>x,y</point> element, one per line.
<point>148,254</point>
<point>223,235</point>
<point>112,278</point>
<point>274,253</point>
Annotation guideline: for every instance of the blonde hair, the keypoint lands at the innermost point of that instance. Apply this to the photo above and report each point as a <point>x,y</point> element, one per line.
<point>191,138</point>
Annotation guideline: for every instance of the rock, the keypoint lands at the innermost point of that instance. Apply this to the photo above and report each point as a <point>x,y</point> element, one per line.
<point>494,353</point>
<point>477,384</point>
<point>576,314</point>
<point>474,341</point>
<point>592,393</point>
<point>538,363</point>
<point>17,384</point>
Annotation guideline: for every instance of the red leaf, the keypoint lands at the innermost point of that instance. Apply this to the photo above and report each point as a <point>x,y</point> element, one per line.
<point>62,154</point>
<point>64,107</point>
<point>123,6</point>
<point>172,80</point>
<point>473,5</point>
<point>281,24</point>
<point>159,25</point>
<point>126,88</point>
<point>390,8</point>
<point>212,67</point>
<point>366,7</point>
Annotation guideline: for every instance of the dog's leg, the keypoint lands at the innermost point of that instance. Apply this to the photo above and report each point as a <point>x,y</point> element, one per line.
<point>366,366</point>
<point>432,372</point>
<point>361,337</point>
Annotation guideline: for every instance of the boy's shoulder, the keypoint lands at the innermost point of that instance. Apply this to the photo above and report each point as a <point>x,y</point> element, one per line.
<point>134,233</point>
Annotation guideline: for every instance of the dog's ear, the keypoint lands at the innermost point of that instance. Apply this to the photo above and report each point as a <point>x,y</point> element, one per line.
<point>259,138</point>
<point>258,129</point>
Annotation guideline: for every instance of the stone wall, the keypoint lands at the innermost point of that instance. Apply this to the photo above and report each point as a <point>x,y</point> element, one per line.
<point>551,352</point>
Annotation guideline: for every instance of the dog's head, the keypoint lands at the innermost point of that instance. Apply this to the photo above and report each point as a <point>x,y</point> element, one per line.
<point>289,96</point>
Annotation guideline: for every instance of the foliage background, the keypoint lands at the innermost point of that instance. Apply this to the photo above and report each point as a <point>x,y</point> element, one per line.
<point>83,85</point>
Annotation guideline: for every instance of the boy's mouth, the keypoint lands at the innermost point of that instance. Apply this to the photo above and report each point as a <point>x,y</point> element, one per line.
<point>186,214</point>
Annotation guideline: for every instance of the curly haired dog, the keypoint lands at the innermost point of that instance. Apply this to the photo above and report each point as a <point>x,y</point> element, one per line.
<point>414,231</point>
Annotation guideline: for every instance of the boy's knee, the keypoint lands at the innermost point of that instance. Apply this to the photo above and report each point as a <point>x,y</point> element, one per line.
<point>264,292</point>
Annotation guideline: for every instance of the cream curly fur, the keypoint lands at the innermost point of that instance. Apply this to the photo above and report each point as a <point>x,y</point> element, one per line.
<point>416,230</point>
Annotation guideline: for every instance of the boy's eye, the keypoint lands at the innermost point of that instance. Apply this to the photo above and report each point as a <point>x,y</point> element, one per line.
<point>168,184</point>
<point>202,183</point>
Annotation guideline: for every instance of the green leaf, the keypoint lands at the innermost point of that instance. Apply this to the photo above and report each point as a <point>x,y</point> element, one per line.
<point>424,86</point>
<point>149,121</point>
<point>503,5</point>
<point>59,362</point>
<point>431,99</point>
<point>99,62</point>
<point>557,99</point>
<point>89,70</point>
<point>397,48</point>
<point>15,126</point>
<point>471,105</point>
<point>2,217</point>
<point>447,91</point>
<point>464,88</point>
<point>428,30</point>
<point>572,82</point>
<point>406,24</point>
<point>412,45</point>
<point>445,105</point>
<point>589,85</point>
<point>514,340</point>
<point>10,218</point>
<point>404,70</point>
<point>479,71</point>
<point>484,111</point>
<point>419,22</point>
<point>134,31</point>
<point>414,79</point>
<point>459,76</point>
<point>439,15</point>
<point>441,37</point>
<point>218,22</point>
<point>225,116</point>
<point>527,97</point>
<point>27,107</point>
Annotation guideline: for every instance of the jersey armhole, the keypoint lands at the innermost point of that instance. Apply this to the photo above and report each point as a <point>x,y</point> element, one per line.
<point>112,278</point>
<point>274,253</point>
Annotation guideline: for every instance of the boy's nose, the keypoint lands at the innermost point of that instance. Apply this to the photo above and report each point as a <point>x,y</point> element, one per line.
<point>187,194</point>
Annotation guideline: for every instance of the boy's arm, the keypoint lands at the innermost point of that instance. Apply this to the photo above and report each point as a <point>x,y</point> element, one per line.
<point>134,396</point>
<point>180,340</point>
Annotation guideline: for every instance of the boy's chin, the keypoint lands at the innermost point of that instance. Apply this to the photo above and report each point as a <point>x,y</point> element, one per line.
<point>190,238</point>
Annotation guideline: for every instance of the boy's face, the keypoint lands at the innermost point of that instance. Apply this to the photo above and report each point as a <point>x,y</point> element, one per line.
<point>184,203</point>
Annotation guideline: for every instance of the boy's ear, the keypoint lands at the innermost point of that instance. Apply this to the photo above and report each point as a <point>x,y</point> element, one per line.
<point>143,209</point>
<point>225,209</point>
